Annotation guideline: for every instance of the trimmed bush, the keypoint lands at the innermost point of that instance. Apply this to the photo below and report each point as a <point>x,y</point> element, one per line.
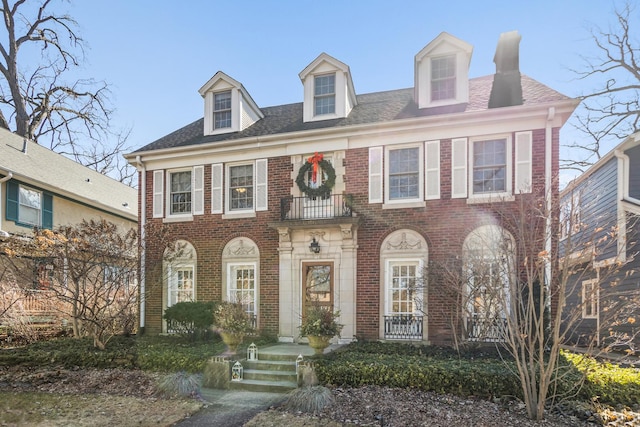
<point>191,318</point>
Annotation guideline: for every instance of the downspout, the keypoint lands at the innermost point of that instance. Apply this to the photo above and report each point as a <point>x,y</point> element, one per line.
<point>142,224</point>
<point>2,181</point>
<point>548,183</point>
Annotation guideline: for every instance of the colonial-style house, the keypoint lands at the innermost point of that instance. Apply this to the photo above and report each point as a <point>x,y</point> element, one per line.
<point>42,189</point>
<point>599,237</point>
<point>344,199</point>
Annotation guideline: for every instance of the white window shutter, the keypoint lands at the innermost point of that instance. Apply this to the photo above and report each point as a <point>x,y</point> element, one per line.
<point>375,175</point>
<point>216,188</point>
<point>262,171</point>
<point>523,162</point>
<point>198,190</point>
<point>432,170</point>
<point>158,193</point>
<point>459,177</point>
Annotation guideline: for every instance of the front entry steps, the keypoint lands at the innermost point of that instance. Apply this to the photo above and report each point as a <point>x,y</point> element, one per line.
<point>275,369</point>
<point>275,373</point>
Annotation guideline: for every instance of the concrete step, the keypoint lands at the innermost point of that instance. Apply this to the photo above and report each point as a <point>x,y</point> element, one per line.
<point>264,386</point>
<point>261,375</point>
<point>277,357</point>
<point>269,365</point>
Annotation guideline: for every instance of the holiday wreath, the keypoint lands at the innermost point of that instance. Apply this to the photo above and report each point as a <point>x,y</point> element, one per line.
<point>312,164</point>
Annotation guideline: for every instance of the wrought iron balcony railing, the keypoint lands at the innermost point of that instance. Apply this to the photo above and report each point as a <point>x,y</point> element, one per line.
<point>321,207</point>
<point>483,329</point>
<point>403,327</point>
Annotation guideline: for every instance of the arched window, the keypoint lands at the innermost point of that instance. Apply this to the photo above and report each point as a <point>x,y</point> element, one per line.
<point>180,268</point>
<point>404,290</point>
<point>241,260</point>
<point>488,253</point>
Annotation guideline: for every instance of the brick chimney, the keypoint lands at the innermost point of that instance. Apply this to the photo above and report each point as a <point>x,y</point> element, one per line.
<point>507,87</point>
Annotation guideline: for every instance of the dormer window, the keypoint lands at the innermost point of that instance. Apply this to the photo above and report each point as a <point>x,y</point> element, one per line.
<point>328,90</point>
<point>222,110</point>
<point>325,94</point>
<point>442,72</point>
<point>228,107</point>
<point>443,78</point>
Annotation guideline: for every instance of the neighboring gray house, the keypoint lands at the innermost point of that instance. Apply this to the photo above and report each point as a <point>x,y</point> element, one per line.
<point>599,240</point>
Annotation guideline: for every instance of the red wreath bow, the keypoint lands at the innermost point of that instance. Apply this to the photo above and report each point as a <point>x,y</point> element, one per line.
<point>314,160</point>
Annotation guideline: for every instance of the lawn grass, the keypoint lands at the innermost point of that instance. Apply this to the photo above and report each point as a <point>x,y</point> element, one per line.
<point>47,409</point>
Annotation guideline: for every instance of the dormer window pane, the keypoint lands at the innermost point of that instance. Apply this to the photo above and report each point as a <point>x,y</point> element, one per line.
<point>222,110</point>
<point>443,78</point>
<point>325,94</point>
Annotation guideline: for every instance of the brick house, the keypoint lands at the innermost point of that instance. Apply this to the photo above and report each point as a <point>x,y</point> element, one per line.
<point>344,199</point>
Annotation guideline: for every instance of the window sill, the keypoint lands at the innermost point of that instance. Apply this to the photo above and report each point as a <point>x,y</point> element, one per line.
<point>404,205</point>
<point>184,218</point>
<point>491,198</point>
<point>232,215</point>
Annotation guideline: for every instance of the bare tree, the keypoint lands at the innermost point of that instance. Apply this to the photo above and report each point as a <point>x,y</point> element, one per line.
<point>38,102</point>
<point>611,111</point>
<point>93,275</point>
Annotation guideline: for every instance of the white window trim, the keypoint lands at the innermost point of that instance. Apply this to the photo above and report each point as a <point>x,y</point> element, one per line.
<point>22,207</point>
<point>404,203</point>
<point>335,97</point>
<point>235,112</point>
<point>594,283</point>
<point>498,195</point>
<point>230,279</point>
<point>419,262</point>
<point>171,283</point>
<point>181,216</point>
<point>455,79</point>
<point>238,213</point>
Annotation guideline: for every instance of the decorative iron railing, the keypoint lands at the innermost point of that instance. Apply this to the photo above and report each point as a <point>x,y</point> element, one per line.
<point>403,327</point>
<point>321,207</point>
<point>482,329</point>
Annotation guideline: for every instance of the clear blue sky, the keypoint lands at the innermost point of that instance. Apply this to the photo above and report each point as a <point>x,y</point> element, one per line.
<point>156,54</point>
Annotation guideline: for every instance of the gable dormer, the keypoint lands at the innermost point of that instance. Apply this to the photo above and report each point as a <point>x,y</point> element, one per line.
<point>228,107</point>
<point>442,72</point>
<point>328,89</point>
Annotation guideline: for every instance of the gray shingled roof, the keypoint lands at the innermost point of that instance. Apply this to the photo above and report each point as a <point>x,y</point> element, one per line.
<point>374,107</point>
<point>50,171</point>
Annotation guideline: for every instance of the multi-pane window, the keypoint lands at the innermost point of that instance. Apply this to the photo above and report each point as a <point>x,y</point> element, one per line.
<point>590,299</point>
<point>241,187</point>
<point>30,210</point>
<point>404,173</point>
<point>242,286</point>
<point>402,287</point>
<point>443,78</point>
<point>222,110</point>
<point>180,196</point>
<point>489,166</point>
<point>325,94</point>
<point>181,286</point>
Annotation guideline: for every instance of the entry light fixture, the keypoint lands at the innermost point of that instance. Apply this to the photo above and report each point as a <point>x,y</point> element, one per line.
<point>314,246</point>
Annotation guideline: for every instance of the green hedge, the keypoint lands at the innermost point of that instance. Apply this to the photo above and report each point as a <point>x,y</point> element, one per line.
<point>474,372</point>
<point>607,382</point>
<point>484,377</point>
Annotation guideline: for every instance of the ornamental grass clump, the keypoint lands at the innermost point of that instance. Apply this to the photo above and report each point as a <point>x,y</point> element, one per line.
<point>181,384</point>
<point>309,399</point>
<point>320,321</point>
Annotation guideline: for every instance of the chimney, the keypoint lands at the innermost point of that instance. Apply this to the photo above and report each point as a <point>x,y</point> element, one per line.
<point>507,87</point>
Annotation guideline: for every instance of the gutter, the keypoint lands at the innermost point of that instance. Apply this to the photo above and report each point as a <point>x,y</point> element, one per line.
<point>548,183</point>
<point>142,225</point>
<point>2,181</point>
